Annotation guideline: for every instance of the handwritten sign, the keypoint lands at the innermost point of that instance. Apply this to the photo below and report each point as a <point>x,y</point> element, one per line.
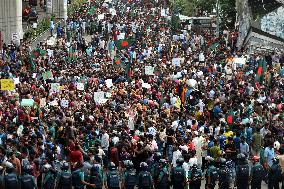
<point>109,83</point>
<point>98,96</point>
<point>80,86</point>
<point>27,102</point>
<point>64,103</point>
<point>55,87</point>
<point>47,75</point>
<point>149,70</point>
<point>7,84</point>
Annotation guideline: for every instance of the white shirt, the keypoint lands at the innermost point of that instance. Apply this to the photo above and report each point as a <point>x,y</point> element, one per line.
<point>176,154</point>
<point>192,161</point>
<point>105,141</point>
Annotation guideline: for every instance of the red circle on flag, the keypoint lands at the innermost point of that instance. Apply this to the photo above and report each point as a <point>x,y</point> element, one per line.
<point>117,62</point>
<point>36,54</point>
<point>124,43</point>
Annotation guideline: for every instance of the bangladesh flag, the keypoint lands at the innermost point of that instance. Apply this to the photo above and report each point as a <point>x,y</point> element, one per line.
<point>261,69</point>
<point>32,64</point>
<point>92,10</point>
<point>214,46</point>
<point>38,52</point>
<point>72,54</point>
<point>230,118</point>
<point>124,43</point>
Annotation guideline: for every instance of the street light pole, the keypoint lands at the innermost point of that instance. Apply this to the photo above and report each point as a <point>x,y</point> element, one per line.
<point>218,20</point>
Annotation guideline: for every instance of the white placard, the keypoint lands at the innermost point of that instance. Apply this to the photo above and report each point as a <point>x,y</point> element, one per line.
<point>16,80</point>
<point>98,96</point>
<point>146,85</point>
<point>149,70</point>
<point>241,61</point>
<point>121,36</point>
<point>112,11</point>
<point>80,86</point>
<point>176,61</point>
<point>53,103</point>
<point>55,87</point>
<point>163,12</point>
<point>64,103</point>
<point>101,16</point>
<point>42,102</point>
<point>109,83</point>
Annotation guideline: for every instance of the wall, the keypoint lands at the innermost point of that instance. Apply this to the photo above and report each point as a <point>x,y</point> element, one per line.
<point>11,19</point>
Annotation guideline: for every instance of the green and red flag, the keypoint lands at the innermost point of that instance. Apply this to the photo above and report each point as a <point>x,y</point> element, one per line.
<point>92,10</point>
<point>261,69</point>
<point>38,52</point>
<point>124,43</point>
<point>72,54</point>
<point>230,117</point>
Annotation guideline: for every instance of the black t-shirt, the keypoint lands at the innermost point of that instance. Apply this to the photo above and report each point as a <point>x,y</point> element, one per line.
<point>230,155</point>
<point>170,132</point>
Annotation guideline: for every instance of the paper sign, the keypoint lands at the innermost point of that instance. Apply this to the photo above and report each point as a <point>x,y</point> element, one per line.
<point>112,11</point>
<point>149,70</point>
<point>102,101</point>
<point>80,86</point>
<point>241,61</point>
<point>16,80</point>
<point>55,87</point>
<point>163,12</point>
<point>34,75</point>
<point>121,36</point>
<point>47,75</point>
<point>27,102</point>
<point>42,102</point>
<point>109,83</point>
<point>53,103</point>
<point>108,95</point>
<point>98,96</point>
<point>101,16</point>
<point>64,103</point>
<point>7,84</point>
<point>146,85</point>
<point>176,61</point>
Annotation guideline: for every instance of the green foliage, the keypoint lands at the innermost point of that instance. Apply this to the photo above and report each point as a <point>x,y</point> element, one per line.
<point>227,9</point>
<point>76,4</point>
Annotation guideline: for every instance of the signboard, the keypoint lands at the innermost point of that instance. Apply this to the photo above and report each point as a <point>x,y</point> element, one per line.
<point>7,84</point>
<point>149,70</point>
<point>98,96</point>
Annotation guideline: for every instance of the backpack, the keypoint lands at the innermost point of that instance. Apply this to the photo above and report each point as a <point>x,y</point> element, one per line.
<point>113,180</point>
<point>214,174</point>
<point>276,172</point>
<point>178,175</point>
<point>11,181</point>
<point>258,174</point>
<point>224,176</point>
<point>164,179</point>
<point>27,182</point>
<point>76,179</point>
<point>49,182</point>
<point>130,179</point>
<point>65,180</point>
<point>243,173</point>
<point>96,179</point>
<point>144,179</point>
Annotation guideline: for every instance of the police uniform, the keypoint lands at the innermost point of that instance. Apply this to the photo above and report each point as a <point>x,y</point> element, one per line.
<point>257,175</point>
<point>163,178</point>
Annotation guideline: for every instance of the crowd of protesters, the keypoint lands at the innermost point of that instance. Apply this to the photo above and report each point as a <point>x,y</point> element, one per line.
<point>197,111</point>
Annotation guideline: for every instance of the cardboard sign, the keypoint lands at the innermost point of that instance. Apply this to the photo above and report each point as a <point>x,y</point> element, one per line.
<point>47,75</point>
<point>27,102</point>
<point>98,96</point>
<point>80,86</point>
<point>146,85</point>
<point>149,70</point>
<point>16,80</point>
<point>42,102</point>
<point>64,103</point>
<point>55,87</point>
<point>109,83</point>
<point>7,84</point>
<point>176,61</point>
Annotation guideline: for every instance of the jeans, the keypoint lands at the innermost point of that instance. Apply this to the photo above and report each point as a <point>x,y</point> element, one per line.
<point>170,152</point>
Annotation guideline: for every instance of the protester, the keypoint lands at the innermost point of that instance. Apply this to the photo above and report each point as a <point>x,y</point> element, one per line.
<point>120,83</point>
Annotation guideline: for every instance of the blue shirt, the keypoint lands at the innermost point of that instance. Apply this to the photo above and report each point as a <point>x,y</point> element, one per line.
<point>269,154</point>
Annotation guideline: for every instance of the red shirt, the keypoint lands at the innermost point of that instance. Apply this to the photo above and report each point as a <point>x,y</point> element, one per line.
<point>76,156</point>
